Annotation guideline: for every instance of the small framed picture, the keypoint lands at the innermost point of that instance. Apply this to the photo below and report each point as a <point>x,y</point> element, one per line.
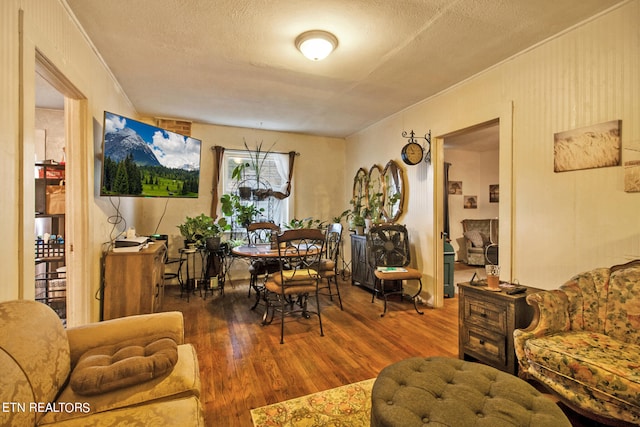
<point>471,202</point>
<point>455,187</point>
<point>494,193</point>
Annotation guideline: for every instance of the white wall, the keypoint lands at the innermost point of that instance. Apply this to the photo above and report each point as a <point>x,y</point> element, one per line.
<point>562,223</point>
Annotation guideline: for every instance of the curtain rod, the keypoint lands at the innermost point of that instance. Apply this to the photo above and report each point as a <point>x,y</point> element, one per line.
<point>274,152</point>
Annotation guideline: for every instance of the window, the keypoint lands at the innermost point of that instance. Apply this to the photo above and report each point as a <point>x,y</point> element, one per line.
<point>273,176</point>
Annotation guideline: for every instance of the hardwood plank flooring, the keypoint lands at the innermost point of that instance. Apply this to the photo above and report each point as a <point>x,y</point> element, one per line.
<point>244,366</point>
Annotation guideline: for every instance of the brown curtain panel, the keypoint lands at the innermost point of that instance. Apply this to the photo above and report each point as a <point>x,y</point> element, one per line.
<point>218,153</point>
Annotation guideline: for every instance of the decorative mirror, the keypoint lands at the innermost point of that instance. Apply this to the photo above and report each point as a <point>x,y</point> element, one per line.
<point>375,193</point>
<point>393,186</point>
<point>360,187</point>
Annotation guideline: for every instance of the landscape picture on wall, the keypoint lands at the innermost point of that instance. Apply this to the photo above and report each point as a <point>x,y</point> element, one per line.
<point>147,161</point>
<point>471,202</point>
<point>632,176</point>
<point>596,146</point>
<point>455,187</point>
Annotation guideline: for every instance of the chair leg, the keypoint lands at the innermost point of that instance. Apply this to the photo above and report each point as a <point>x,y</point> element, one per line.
<point>415,298</point>
<point>319,315</point>
<point>283,302</point>
<point>384,296</point>
<point>335,278</point>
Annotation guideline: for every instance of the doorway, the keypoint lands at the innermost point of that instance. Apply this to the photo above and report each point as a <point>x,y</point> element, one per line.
<point>501,121</point>
<point>77,154</point>
<point>50,226</point>
<point>472,196</point>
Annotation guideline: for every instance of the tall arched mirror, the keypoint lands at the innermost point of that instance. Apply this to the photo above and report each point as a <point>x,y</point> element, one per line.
<point>375,193</point>
<point>393,188</point>
<point>359,188</point>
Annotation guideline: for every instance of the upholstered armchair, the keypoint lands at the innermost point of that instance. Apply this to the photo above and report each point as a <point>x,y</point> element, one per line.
<point>480,241</point>
<point>134,370</point>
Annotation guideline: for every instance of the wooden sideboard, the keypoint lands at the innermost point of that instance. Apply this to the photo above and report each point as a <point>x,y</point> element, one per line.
<point>486,323</point>
<point>361,271</point>
<point>133,282</point>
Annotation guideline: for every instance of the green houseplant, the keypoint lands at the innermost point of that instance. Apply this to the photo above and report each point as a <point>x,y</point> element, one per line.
<point>356,216</point>
<point>232,206</point>
<point>198,229</point>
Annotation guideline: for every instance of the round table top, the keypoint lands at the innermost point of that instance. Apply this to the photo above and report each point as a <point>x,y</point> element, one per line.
<point>263,250</point>
<point>260,250</point>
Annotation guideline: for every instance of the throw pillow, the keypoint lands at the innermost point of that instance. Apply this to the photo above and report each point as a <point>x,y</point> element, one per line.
<point>475,237</point>
<point>112,367</point>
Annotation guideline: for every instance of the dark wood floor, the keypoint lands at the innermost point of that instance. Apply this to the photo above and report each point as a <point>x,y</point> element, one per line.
<point>244,366</point>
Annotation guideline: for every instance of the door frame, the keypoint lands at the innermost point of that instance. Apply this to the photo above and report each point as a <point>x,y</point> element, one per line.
<point>504,114</point>
<point>77,218</point>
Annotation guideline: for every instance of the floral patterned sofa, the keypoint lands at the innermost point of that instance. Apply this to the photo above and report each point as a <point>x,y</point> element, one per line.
<point>584,343</point>
<point>133,371</point>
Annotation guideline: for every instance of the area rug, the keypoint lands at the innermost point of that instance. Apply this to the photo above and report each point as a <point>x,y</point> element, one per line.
<point>348,405</point>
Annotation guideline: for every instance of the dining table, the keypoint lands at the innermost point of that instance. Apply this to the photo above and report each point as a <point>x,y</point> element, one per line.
<point>264,251</point>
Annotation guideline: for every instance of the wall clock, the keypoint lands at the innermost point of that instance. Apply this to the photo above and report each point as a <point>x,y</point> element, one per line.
<point>412,153</point>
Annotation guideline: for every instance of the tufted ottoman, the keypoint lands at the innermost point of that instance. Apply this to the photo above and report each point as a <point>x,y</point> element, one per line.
<point>450,392</point>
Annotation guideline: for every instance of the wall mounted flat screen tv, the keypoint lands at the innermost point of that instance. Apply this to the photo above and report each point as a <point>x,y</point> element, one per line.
<point>141,160</point>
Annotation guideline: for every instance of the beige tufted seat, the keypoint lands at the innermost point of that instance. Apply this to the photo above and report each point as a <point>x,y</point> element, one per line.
<point>450,392</point>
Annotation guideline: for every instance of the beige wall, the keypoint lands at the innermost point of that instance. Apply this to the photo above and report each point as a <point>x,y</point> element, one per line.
<point>317,182</point>
<point>562,223</point>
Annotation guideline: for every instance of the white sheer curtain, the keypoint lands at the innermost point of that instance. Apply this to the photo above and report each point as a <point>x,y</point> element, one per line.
<point>280,207</point>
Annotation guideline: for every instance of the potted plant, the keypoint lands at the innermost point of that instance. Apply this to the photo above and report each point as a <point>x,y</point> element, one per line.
<point>197,230</point>
<point>338,219</point>
<point>258,157</point>
<point>309,222</point>
<point>238,174</point>
<point>232,206</point>
<point>194,230</point>
<point>356,216</point>
<point>214,236</point>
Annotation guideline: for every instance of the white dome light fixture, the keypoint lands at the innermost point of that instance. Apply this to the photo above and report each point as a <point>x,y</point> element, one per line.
<point>316,44</point>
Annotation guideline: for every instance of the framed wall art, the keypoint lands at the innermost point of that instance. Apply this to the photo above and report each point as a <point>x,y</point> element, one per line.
<point>494,193</point>
<point>596,146</point>
<point>471,202</point>
<point>455,187</point>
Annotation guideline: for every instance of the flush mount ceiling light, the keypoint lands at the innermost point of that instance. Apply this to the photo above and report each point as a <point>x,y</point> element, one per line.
<point>316,44</point>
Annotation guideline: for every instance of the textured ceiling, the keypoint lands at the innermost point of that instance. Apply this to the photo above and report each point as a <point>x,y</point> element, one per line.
<point>234,62</point>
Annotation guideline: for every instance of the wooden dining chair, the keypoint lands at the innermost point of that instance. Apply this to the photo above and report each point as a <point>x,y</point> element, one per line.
<point>389,256</point>
<point>257,233</point>
<point>328,267</point>
<point>288,290</point>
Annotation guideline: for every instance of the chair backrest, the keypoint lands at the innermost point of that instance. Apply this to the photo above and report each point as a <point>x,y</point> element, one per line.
<point>300,250</point>
<point>332,245</point>
<point>35,357</point>
<point>261,232</point>
<point>388,246</point>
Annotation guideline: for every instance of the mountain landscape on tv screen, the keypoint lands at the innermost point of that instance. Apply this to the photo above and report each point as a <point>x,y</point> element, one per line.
<point>143,160</point>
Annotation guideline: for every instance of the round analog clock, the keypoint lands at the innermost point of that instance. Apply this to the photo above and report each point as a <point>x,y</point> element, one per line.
<point>412,153</point>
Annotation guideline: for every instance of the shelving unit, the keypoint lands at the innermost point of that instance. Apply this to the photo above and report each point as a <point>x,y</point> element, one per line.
<point>50,278</point>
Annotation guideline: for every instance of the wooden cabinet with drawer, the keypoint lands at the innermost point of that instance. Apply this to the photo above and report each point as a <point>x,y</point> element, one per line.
<point>133,282</point>
<point>486,323</point>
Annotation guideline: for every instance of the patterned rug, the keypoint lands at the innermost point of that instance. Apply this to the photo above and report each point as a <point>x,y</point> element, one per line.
<point>349,405</point>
